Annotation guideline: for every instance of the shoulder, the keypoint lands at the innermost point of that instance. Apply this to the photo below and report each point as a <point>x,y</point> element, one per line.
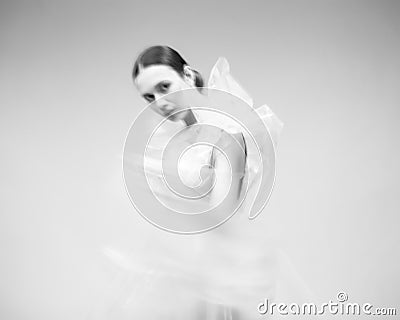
<point>232,140</point>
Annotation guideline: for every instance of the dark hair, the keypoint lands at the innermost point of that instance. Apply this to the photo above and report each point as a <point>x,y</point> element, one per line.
<point>164,55</point>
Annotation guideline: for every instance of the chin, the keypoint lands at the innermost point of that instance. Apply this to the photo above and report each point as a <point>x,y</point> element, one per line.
<point>180,116</point>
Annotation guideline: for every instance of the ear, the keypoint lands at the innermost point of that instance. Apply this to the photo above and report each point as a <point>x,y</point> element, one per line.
<point>189,76</point>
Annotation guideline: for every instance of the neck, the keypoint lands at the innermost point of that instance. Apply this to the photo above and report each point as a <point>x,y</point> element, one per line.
<point>190,118</point>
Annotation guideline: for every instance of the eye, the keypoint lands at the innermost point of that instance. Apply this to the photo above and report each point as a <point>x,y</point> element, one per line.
<point>149,97</point>
<point>164,87</point>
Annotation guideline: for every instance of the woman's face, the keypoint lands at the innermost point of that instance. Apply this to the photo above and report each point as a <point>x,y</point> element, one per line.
<point>155,81</point>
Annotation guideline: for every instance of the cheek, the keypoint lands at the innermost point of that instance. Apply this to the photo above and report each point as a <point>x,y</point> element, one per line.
<point>177,97</point>
<point>176,85</point>
<point>173,98</point>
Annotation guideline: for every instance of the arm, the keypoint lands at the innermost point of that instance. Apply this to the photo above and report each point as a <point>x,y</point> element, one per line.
<point>228,184</point>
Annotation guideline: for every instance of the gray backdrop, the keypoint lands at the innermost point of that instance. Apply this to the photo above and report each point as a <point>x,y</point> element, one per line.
<point>328,69</point>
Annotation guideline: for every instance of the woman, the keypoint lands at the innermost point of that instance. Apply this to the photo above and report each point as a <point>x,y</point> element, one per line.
<point>160,71</point>
<point>223,273</point>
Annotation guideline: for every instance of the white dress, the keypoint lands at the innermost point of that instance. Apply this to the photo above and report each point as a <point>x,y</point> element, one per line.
<point>220,274</point>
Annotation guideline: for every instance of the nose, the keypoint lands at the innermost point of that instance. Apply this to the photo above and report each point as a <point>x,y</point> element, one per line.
<point>161,103</point>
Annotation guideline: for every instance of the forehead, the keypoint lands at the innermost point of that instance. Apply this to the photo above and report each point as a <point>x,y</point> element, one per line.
<point>149,76</point>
